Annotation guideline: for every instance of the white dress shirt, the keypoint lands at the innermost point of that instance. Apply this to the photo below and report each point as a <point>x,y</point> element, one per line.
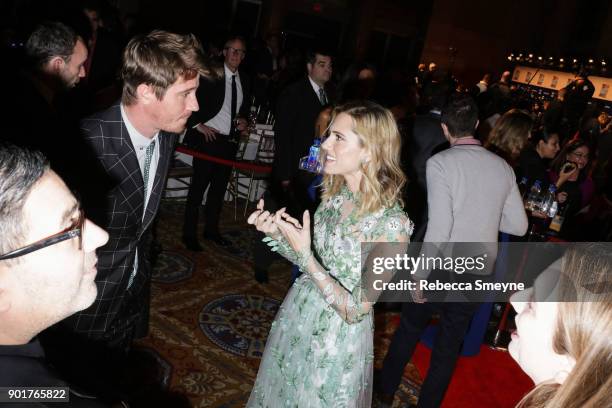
<point>222,120</point>
<point>140,144</point>
<point>316,87</point>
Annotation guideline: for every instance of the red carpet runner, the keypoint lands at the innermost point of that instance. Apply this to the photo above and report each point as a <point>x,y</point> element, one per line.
<point>490,379</point>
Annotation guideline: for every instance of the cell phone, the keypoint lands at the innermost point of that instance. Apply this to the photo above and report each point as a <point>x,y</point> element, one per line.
<point>568,167</point>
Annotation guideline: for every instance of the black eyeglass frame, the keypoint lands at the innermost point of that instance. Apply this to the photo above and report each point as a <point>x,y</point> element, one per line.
<point>73,231</point>
<point>236,50</point>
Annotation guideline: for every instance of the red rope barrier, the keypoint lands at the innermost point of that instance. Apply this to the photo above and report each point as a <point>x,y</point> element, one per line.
<point>258,168</point>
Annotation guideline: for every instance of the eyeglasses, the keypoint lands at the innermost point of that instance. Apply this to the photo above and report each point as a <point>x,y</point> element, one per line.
<point>73,231</point>
<point>581,155</point>
<point>236,50</point>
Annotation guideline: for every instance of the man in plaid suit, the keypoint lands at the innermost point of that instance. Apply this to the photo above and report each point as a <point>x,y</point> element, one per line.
<point>124,159</point>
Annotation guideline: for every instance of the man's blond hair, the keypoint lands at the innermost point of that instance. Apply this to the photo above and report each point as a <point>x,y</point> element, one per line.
<point>159,59</point>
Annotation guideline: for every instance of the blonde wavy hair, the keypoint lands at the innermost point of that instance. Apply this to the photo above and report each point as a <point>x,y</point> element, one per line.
<point>583,331</point>
<point>383,178</point>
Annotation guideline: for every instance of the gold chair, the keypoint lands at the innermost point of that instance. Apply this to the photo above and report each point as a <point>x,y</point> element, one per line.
<point>245,184</point>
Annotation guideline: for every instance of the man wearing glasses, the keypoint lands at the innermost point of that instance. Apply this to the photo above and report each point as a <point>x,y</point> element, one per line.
<point>215,130</point>
<point>47,265</point>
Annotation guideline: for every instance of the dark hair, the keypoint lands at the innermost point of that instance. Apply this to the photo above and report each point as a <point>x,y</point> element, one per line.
<point>352,71</point>
<point>49,40</point>
<point>543,135</point>
<point>435,94</point>
<point>159,59</point>
<point>94,5</point>
<point>20,169</point>
<point>460,115</point>
<point>351,87</point>
<point>570,147</point>
<point>311,55</point>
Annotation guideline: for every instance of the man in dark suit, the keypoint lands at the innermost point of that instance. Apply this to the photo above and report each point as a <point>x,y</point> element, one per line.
<point>425,140</point>
<point>266,67</point>
<point>297,109</point>
<point>501,92</point>
<point>125,158</point>
<point>215,130</point>
<point>578,93</point>
<point>296,113</point>
<point>47,268</point>
<point>37,117</point>
<point>104,57</point>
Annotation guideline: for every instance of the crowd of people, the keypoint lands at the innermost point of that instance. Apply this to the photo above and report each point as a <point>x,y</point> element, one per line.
<point>406,159</point>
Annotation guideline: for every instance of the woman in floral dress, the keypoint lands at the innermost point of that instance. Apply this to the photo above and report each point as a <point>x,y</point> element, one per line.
<point>320,349</point>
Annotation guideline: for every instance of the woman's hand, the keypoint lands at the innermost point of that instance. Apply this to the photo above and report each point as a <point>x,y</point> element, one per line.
<point>298,236</point>
<point>263,220</point>
<point>561,197</point>
<point>568,170</point>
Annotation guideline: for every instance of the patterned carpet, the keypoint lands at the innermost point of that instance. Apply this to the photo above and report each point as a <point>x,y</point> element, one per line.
<point>210,318</point>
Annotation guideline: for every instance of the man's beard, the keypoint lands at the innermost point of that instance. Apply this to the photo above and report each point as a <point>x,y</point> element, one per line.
<point>67,83</point>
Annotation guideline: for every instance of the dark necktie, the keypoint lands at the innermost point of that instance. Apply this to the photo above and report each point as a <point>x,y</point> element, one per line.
<point>322,96</point>
<point>233,105</point>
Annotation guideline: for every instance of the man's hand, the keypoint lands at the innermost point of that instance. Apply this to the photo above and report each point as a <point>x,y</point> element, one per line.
<point>242,126</point>
<point>209,133</point>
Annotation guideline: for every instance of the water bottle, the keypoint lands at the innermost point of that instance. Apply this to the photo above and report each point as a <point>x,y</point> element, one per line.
<point>523,187</point>
<point>552,211</point>
<point>533,197</point>
<point>313,155</point>
<point>548,199</point>
<point>557,220</point>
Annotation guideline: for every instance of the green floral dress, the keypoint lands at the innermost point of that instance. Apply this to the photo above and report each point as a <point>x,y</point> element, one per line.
<point>319,352</point>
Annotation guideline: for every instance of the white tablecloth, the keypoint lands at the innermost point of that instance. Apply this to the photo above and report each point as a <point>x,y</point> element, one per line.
<point>250,152</point>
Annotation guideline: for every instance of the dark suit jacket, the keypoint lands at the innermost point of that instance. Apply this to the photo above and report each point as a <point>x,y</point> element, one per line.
<point>210,95</point>
<point>264,62</point>
<point>427,139</point>
<point>297,109</point>
<point>112,194</point>
<point>25,366</point>
<point>106,60</point>
<point>532,166</point>
<point>31,122</point>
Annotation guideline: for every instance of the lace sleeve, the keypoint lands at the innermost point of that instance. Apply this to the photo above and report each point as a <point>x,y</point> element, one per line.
<point>280,245</point>
<point>352,306</point>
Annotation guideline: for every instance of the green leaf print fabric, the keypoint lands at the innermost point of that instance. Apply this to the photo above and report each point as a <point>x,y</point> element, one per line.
<point>319,352</point>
